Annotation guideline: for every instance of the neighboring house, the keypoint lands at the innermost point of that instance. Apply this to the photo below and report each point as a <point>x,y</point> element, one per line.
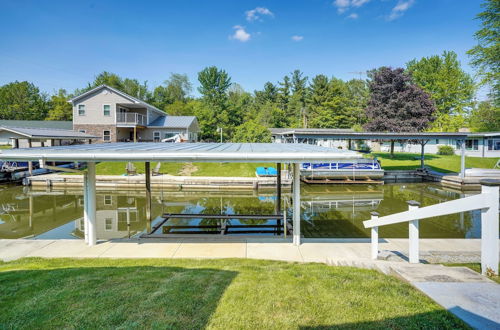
<point>485,144</point>
<point>114,116</point>
<point>51,124</point>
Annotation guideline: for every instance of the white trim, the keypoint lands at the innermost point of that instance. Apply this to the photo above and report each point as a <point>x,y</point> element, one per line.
<point>78,110</point>
<point>103,111</point>
<point>103,135</point>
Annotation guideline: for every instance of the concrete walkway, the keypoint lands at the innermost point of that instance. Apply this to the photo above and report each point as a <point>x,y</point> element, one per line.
<point>465,293</point>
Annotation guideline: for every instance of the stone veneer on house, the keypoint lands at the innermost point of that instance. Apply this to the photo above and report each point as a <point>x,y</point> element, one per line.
<point>97,130</point>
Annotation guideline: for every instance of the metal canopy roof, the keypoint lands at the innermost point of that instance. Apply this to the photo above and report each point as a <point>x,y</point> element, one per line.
<point>183,152</point>
<point>315,132</point>
<point>47,133</point>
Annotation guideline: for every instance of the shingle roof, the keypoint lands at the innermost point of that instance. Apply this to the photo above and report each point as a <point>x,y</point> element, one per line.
<point>173,121</point>
<point>57,124</point>
<point>49,133</point>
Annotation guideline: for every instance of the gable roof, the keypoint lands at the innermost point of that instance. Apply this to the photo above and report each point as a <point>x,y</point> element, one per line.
<point>125,95</point>
<point>47,133</point>
<point>57,124</point>
<point>173,121</point>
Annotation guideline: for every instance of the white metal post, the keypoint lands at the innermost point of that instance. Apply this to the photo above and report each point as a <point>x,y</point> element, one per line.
<point>462,159</point>
<point>85,207</point>
<point>91,203</point>
<point>489,227</point>
<point>296,204</point>
<point>413,235</point>
<point>374,237</point>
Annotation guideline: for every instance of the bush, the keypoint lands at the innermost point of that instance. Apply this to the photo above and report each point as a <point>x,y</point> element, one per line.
<point>445,150</point>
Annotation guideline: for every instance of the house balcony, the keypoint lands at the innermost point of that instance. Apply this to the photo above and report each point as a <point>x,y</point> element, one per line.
<point>130,119</point>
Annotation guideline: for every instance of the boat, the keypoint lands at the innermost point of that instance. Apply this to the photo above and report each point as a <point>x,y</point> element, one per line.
<point>362,169</point>
<point>482,172</point>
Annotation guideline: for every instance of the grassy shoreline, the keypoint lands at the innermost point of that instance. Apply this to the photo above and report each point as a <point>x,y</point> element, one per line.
<point>401,161</point>
<point>214,294</point>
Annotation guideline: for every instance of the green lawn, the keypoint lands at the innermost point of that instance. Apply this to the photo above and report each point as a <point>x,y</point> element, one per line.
<point>401,161</point>
<point>475,267</point>
<point>5,146</point>
<point>214,294</point>
<point>407,161</point>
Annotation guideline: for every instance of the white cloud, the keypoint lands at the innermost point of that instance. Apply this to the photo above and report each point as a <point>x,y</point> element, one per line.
<point>257,13</point>
<point>401,7</point>
<point>297,38</point>
<point>353,16</point>
<point>240,34</point>
<point>344,5</point>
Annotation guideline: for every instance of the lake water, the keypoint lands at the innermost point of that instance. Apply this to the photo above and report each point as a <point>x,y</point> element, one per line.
<point>334,211</point>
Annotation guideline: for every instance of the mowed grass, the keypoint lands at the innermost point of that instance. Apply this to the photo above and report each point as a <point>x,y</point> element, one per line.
<point>214,294</point>
<point>409,161</point>
<point>475,267</point>
<point>202,169</point>
<point>5,146</point>
<point>401,161</point>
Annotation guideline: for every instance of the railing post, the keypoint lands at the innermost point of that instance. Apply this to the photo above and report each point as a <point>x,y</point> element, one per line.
<point>489,227</point>
<point>374,236</point>
<point>413,235</point>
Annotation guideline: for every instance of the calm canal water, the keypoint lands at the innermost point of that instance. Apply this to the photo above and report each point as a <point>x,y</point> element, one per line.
<point>335,211</point>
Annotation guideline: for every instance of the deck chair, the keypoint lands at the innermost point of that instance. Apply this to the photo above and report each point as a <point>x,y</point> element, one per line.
<point>130,168</point>
<point>156,170</point>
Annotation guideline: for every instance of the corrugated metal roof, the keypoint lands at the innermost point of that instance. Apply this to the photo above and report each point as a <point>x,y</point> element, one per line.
<point>349,134</point>
<point>49,133</point>
<point>57,124</point>
<point>173,121</point>
<point>183,152</point>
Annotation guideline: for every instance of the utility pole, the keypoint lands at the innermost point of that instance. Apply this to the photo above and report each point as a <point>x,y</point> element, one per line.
<point>219,129</point>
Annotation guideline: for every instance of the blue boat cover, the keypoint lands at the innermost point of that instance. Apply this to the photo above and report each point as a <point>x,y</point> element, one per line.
<point>266,171</point>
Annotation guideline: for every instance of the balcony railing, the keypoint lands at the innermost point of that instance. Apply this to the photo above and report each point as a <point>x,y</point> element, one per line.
<point>131,118</point>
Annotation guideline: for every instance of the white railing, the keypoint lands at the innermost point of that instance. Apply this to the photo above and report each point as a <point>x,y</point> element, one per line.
<point>131,118</point>
<point>487,202</point>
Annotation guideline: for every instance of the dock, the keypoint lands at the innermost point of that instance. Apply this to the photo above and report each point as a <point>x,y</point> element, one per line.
<point>164,181</point>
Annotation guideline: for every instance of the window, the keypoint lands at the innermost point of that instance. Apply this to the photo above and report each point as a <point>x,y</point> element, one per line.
<point>106,108</point>
<point>494,144</point>
<point>108,200</point>
<point>472,144</point>
<point>156,136</point>
<point>81,109</point>
<point>108,224</point>
<point>169,135</point>
<point>106,135</point>
<point>82,131</point>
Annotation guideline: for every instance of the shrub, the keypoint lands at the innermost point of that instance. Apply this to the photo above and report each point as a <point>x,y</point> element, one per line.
<point>445,150</point>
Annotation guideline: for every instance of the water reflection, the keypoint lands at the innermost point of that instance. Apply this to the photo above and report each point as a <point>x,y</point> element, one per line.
<point>327,211</point>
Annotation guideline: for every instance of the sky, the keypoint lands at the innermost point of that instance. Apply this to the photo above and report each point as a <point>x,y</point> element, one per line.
<point>65,44</point>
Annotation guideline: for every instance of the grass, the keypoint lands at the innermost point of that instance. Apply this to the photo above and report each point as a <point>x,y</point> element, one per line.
<point>201,169</point>
<point>446,164</point>
<point>214,294</point>
<point>5,146</point>
<point>475,267</point>
<point>401,161</point>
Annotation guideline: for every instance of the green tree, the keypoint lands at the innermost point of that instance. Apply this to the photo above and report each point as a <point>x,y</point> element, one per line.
<point>450,87</point>
<point>486,54</point>
<point>22,101</point>
<point>357,95</point>
<point>177,89</point>
<point>297,105</point>
<point>59,107</point>
<point>251,131</point>
<point>214,85</point>
<point>129,86</point>
<point>485,117</point>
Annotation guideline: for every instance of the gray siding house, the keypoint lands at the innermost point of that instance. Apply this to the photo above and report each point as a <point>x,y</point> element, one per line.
<point>114,116</point>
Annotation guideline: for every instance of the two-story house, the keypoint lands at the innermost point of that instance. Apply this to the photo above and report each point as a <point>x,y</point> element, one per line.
<point>115,116</point>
